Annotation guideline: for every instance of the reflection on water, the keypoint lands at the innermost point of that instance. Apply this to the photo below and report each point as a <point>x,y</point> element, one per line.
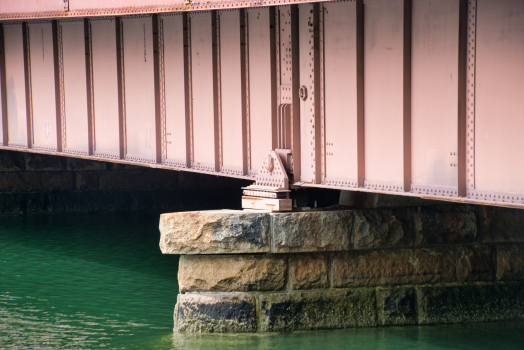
<point>100,282</point>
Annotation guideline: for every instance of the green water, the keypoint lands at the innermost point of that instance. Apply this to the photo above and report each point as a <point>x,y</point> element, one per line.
<point>100,282</point>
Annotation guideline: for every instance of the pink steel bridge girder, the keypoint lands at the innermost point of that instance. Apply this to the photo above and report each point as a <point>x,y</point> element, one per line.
<point>416,98</point>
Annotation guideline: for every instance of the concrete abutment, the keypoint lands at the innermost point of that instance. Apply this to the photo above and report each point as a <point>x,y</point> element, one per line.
<point>249,271</point>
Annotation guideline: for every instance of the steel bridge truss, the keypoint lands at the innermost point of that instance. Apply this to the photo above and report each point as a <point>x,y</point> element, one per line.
<point>419,97</point>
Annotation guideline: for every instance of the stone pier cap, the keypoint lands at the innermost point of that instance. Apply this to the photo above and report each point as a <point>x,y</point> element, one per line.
<point>242,232</point>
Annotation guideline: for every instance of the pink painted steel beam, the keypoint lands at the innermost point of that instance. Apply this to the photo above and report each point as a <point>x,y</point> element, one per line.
<point>33,9</point>
<point>415,98</point>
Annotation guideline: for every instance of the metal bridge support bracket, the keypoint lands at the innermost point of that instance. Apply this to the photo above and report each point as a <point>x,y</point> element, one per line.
<point>271,189</point>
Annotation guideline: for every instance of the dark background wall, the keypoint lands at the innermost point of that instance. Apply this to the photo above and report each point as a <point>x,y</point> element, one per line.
<point>37,184</point>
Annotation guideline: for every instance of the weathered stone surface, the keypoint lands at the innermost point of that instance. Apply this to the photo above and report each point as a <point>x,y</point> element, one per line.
<point>312,231</point>
<point>501,224</point>
<point>214,232</point>
<point>510,262</point>
<point>455,304</point>
<point>215,313</point>
<point>477,263</point>
<point>34,161</point>
<point>33,181</point>
<point>397,306</point>
<point>434,265</point>
<point>317,310</point>
<point>122,166</point>
<point>79,164</point>
<point>393,267</point>
<point>309,271</point>
<point>471,303</point>
<point>140,179</point>
<point>12,161</point>
<point>445,225</point>
<point>231,273</point>
<point>380,228</point>
<point>507,301</point>
<point>87,180</point>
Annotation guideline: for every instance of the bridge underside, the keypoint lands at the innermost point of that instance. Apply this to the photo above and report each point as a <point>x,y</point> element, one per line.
<point>419,98</point>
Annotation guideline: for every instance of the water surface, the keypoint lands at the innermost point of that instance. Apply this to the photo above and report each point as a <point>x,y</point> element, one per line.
<point>99,281</point>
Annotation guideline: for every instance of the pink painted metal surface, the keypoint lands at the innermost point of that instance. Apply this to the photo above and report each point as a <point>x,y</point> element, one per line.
<point>231,92</point>
<point>105,89</point>
<point>139,90</point>
<point>15,85</point>
<point>308,139</point>
<point>75,118</point>
<point>16,9</point>
<point>175,93</point>
<point>202,91</point>
<point>383,94</point>
<point>260,87</point>
<point>425,100</point>
<point>499,105</point>
<point>32,6</point>
<point>340,86</point>
<point>43,98</point>
<point>435,96</point>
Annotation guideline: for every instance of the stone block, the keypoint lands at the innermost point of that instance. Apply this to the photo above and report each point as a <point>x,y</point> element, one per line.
<point>232,273</point>
<point>477,263</point>
<point>451,224</point>
<point>501,224</point>
<point>434,265</point>
<point>41,162</point>
<point>510,262</point>
<point>11,161</point>
<point>32,181</point>
<point>23,203</point>
<point>397,306</point>
<point>309,271</point>
<point>79,164</point>
<point>215,313</point>
<point>317,310</point>
<point>393,267</point>
<point>140,179</point>
<point>507,302</point>
<point>455,304</point>
<point>87,180</point>
<point>122,166</point>
<point>214,232</point>
<point>312,231</point>
<point>380,228</point>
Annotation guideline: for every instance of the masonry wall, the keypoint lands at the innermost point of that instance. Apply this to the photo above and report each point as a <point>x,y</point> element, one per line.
<point>36,183</point>
<point>348,268</point>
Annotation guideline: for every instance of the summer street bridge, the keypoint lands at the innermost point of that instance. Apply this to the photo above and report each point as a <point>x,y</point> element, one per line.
<point>416,98</point>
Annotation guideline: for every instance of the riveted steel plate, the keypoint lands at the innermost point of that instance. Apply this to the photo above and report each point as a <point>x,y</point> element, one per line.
<point>31,6</point>
<point>260,104</point>
<point>202,92</point>
<point>15,85</point>
<point>434,113</point>
<point>43,86</point>
<point>231,91</point>
<point>383,92</point>
<point>499,102</point>
<point>17,9</point>
<point>340,86</point>
<point>139,89</point>
<point>75,88</point>
<point>105,88</point>
<point>173,32</point>
<point>307,83</point>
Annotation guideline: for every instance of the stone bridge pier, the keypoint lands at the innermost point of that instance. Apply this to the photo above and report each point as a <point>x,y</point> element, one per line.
<point>252,271</point>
